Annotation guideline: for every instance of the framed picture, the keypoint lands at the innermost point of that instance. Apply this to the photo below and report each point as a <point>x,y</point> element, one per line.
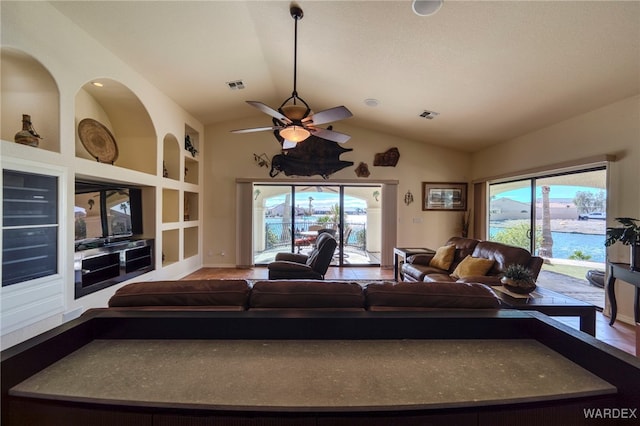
<point>444,196</point>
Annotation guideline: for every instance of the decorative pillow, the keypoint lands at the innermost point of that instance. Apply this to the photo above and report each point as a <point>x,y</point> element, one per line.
<point>471,266</point>
<point>443,257</point>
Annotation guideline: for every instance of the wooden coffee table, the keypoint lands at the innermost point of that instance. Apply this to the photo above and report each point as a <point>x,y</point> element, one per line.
<point>553,304</point>
<point>403,252</point>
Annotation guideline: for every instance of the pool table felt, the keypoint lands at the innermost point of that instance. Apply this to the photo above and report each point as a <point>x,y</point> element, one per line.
<point>321,375</point>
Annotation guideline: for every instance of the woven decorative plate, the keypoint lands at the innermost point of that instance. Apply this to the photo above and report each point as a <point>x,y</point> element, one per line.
<point>98,140</point>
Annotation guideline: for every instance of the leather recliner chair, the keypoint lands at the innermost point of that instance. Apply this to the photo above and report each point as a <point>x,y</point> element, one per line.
<point>300,266</point>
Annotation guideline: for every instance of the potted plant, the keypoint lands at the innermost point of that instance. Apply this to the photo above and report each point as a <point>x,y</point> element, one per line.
<point>518,278</point>
<point>629,235</point>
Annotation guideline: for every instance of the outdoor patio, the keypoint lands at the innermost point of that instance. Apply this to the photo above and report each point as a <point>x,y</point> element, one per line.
<point>572,287</point>
<point>352,256</point>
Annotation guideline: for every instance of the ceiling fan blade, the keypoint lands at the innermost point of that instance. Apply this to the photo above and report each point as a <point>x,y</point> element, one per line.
<point>329,115</point>
<point>256,129</point>
<point>288,144</point>
<point>330,135</point>
<point>269,111</point>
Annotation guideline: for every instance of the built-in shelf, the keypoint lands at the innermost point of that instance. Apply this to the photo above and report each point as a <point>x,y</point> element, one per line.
<point>190,206</point>
<point>170,205</point>
<point>194,139</point>
<point>35,281</point>
<point>191,242</point>
<point>170,247</point>
<point>117,108</point>
<point>191,170</point>
<point>28,88</point>
<point>171,158</point>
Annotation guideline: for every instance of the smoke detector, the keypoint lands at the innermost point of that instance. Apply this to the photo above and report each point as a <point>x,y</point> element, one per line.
<point>429,115</point>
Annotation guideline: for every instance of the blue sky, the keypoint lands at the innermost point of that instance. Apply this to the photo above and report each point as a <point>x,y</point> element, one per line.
<point>322,200</point>
<point>557,191</point>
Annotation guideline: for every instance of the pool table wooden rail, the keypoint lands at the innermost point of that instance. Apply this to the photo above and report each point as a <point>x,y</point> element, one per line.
<point>26,359</point>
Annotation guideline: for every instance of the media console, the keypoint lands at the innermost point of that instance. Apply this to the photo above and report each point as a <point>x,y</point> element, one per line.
<point>111,263</point>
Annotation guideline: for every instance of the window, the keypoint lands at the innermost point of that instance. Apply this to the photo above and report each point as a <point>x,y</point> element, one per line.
<point>559,217</point>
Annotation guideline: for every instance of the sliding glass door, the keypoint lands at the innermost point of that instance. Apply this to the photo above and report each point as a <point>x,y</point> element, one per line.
<point>561,218</point>
<point>290,217</point>
<point>510,213</point>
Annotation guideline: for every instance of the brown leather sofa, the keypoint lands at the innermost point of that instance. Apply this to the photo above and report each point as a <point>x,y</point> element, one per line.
<point>219,295</point>
<point>239,295</point>
<point>418,268</point>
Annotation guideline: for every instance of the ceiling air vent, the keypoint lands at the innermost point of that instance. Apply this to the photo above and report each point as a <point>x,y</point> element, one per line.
<point>429,115</point>
<point>235,85</point>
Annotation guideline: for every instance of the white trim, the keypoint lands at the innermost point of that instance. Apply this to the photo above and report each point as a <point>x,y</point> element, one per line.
<point>28,302</point>
<point>244,215</point>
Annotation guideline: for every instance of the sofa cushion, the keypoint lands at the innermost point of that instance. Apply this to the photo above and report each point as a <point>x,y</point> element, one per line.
<point>472,266</point>
<point>294,294</point>
<point>464,247</point>
<point>218,294</point>
<point>503,255</point>
<point>440,276</point>
<point>423,296</point>
<point>443,257</point>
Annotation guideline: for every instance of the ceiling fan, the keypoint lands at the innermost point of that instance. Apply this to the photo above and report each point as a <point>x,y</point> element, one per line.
<point>294,119</point>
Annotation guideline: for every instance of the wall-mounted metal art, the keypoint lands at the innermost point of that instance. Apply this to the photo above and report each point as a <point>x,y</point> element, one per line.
<point>362,170</point>
<point>408,198</point>
<point>261,160</point>
<point>388,159</point>
<point>313,156</point>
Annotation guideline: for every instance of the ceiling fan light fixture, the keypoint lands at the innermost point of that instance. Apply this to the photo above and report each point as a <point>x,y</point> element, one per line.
<point>295,133</point>
<point>294,112</point>
<point>293,120</point>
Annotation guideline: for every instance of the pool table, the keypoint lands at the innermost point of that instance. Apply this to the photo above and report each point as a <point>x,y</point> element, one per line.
<point>321,368</point>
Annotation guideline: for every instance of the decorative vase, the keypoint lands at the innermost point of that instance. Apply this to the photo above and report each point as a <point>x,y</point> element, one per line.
<point>28,135</point>
<point>518,286</point>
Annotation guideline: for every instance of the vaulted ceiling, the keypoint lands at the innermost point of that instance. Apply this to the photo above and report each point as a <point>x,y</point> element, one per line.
<point>493,70</point>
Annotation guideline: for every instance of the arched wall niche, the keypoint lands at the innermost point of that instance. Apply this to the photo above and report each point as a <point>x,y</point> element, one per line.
<point>27,87</point>
<point>116,107</point>
<point>171,157</point>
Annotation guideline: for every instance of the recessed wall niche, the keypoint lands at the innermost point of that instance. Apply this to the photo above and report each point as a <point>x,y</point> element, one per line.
<point>170,205</point>
<point>117,108</point>
<point>171,157</point>
<point>28,88</point>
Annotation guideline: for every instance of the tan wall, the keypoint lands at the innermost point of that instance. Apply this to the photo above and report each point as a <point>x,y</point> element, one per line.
<point>230,156</point>
<point>615,130</point>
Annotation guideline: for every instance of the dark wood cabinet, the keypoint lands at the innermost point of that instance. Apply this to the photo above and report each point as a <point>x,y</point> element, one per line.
<point>29,226</point>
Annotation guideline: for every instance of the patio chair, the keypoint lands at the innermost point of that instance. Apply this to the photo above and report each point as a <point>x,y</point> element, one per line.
<point>300,266</point>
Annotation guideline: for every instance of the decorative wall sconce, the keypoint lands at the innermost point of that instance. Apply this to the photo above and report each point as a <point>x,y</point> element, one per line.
<point>408,198</point>
<point>376,195</point>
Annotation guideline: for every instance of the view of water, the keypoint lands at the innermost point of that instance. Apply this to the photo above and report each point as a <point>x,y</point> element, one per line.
<point>567,243</point>
<point>358,224</point>
<point>564,243</point>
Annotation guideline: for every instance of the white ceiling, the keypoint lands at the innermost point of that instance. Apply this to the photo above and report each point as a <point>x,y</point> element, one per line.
<point>494,70</point>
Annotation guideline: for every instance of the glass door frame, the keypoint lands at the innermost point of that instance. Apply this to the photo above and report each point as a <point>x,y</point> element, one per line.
<point>533,185</point>
<point>294,189</point>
